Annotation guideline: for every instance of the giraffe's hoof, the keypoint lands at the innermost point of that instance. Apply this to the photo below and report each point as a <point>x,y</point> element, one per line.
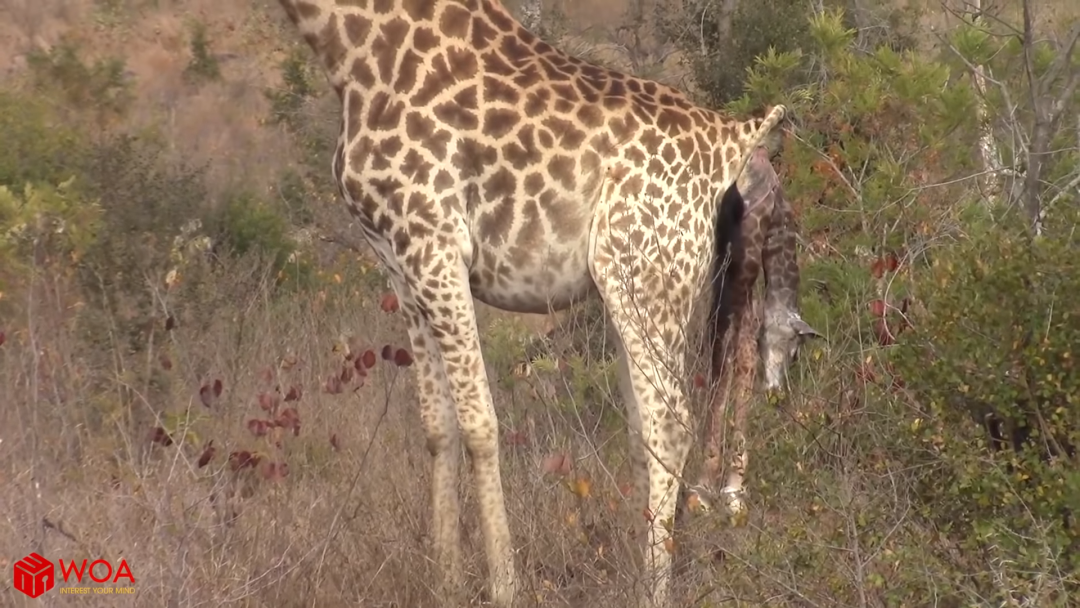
<point>736,505</point>
<point>699,500</point>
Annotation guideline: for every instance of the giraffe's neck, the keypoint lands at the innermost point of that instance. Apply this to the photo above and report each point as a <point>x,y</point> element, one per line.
<point>345,33</point>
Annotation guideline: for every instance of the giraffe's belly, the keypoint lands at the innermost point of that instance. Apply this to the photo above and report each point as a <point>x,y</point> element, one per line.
<point>531,280</point>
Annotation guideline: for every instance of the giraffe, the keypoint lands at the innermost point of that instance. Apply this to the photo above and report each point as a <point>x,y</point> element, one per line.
<point>763,242</point>
<point>481,162</point>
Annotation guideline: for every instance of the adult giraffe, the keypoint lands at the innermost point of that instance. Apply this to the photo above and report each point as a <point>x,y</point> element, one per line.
<point>480,161</point>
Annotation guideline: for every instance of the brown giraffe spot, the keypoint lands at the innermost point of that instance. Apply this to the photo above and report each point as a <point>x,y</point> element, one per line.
<point>563,107</point>
<point>419,10</point>
<point>362,74</point>
<point>497,90</point>
<point>546,139</point>
<point>466,98</point>
<point>590,116</point>
<point>456,115</point>
<point>494,226</point>
<point>653,191</point>
<point>515,51</point>
<point>443,180</point>
<point>495,64</point>
<point>415,167</point>
<point>354,109</point>
<point>437,80</point>
<point>570,137</point>
<point>617,173</point>
<point>406,77</point>
<point>632,187</point>
<point>624,128</point>
<point>565,91</point>
<point>501,185</point>
<point>536,102</point>
<point>588,92</point>
<point>498,17</point>
<point>454,22</point>
<point>482,34</point>
<point>528,76</point>
<point>534,183</point>
<point>473,157</point>
<point>551,72</point>
<point>419,209</point>
<point>562,168</point>
<point>636,156</point>
<point>357,29</point>
<point>462,63</point>
<point>500,122</point>
<point>402,241</point>
<point>425,131</point>
<point>384,114</point>
<point>424,39</point>
<point>386,46</point>
<point>673,122</point>
<point>383,6</point>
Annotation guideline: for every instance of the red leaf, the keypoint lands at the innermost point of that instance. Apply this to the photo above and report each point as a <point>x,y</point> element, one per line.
<point>217,388</point>
<point>3,338</point>
<point>294,394</point>
<point>334,441</point>
<point>268,402</point>
<point>389,303</point>
<point>699,380</point>
<point>267,375</point>
<point>878,268</point>
<point>242,459</point>
<point>166,362</point>
<point>206,395</point>
<point>388,353</point>
<point>881,331</point>
<point>368,359</point>
<point>402,358</point>
<point>877,308</point>
<point>346,374</point>
<point>275,471</point>
<point>159,435</point>
<point>258,427</point>
<point>170,323</point>
<point>515,438</point>
<point>559,463</point>
<point>207,454</point>
<point>289,419</point>
<point>891,263</point>
<point>333,385</point>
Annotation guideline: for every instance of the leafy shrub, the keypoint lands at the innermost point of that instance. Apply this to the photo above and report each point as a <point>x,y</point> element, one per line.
<point>204,65</point>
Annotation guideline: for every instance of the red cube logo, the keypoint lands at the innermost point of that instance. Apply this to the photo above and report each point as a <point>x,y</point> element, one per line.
<point>34,575</point>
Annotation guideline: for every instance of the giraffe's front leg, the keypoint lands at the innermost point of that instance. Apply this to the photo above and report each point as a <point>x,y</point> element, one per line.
<point>439,419</point>
<point>447,316</point>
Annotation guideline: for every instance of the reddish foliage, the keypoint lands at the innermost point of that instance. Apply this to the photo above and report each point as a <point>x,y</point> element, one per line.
<point>258,427</point>
<point>346,375</point>
<point>294,394</point>
<point>881,331</point>
<point>289,419</point>
<point>3,338</point>
<point>388,353</point>
<point>217,388</point>
<point>559,463</point>
<point>389,303</point>
<point>334,441</point>
<point>699,380</point>
<point>877,308</point>
<point>243,459</point>
<point>878,268</point>
<point>166,362</point>
<point>891,263</point>
<point>207,454</point>
<point>402,358</point>
<point>626,489</point>
<point>333,385</point>
<point>275,471</point>
<point>268,402</point>
<point>267,375</point>
<point>368,359</point>
<point>170,323</point>
<point>160,436</point>
<point>515,438</point>
<point>206,395</point>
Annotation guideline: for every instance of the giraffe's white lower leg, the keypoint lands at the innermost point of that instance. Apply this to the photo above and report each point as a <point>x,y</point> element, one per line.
<point>733,493</point>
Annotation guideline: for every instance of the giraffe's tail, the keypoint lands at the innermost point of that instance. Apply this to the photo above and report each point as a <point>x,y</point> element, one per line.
<point>727,260</point>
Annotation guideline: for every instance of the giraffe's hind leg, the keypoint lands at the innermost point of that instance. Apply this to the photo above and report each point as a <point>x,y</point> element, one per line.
<point>649,308</point>
<point>455,395</point>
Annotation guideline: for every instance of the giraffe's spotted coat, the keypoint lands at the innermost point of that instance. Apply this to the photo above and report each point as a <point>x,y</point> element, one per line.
<point>480,161</point>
